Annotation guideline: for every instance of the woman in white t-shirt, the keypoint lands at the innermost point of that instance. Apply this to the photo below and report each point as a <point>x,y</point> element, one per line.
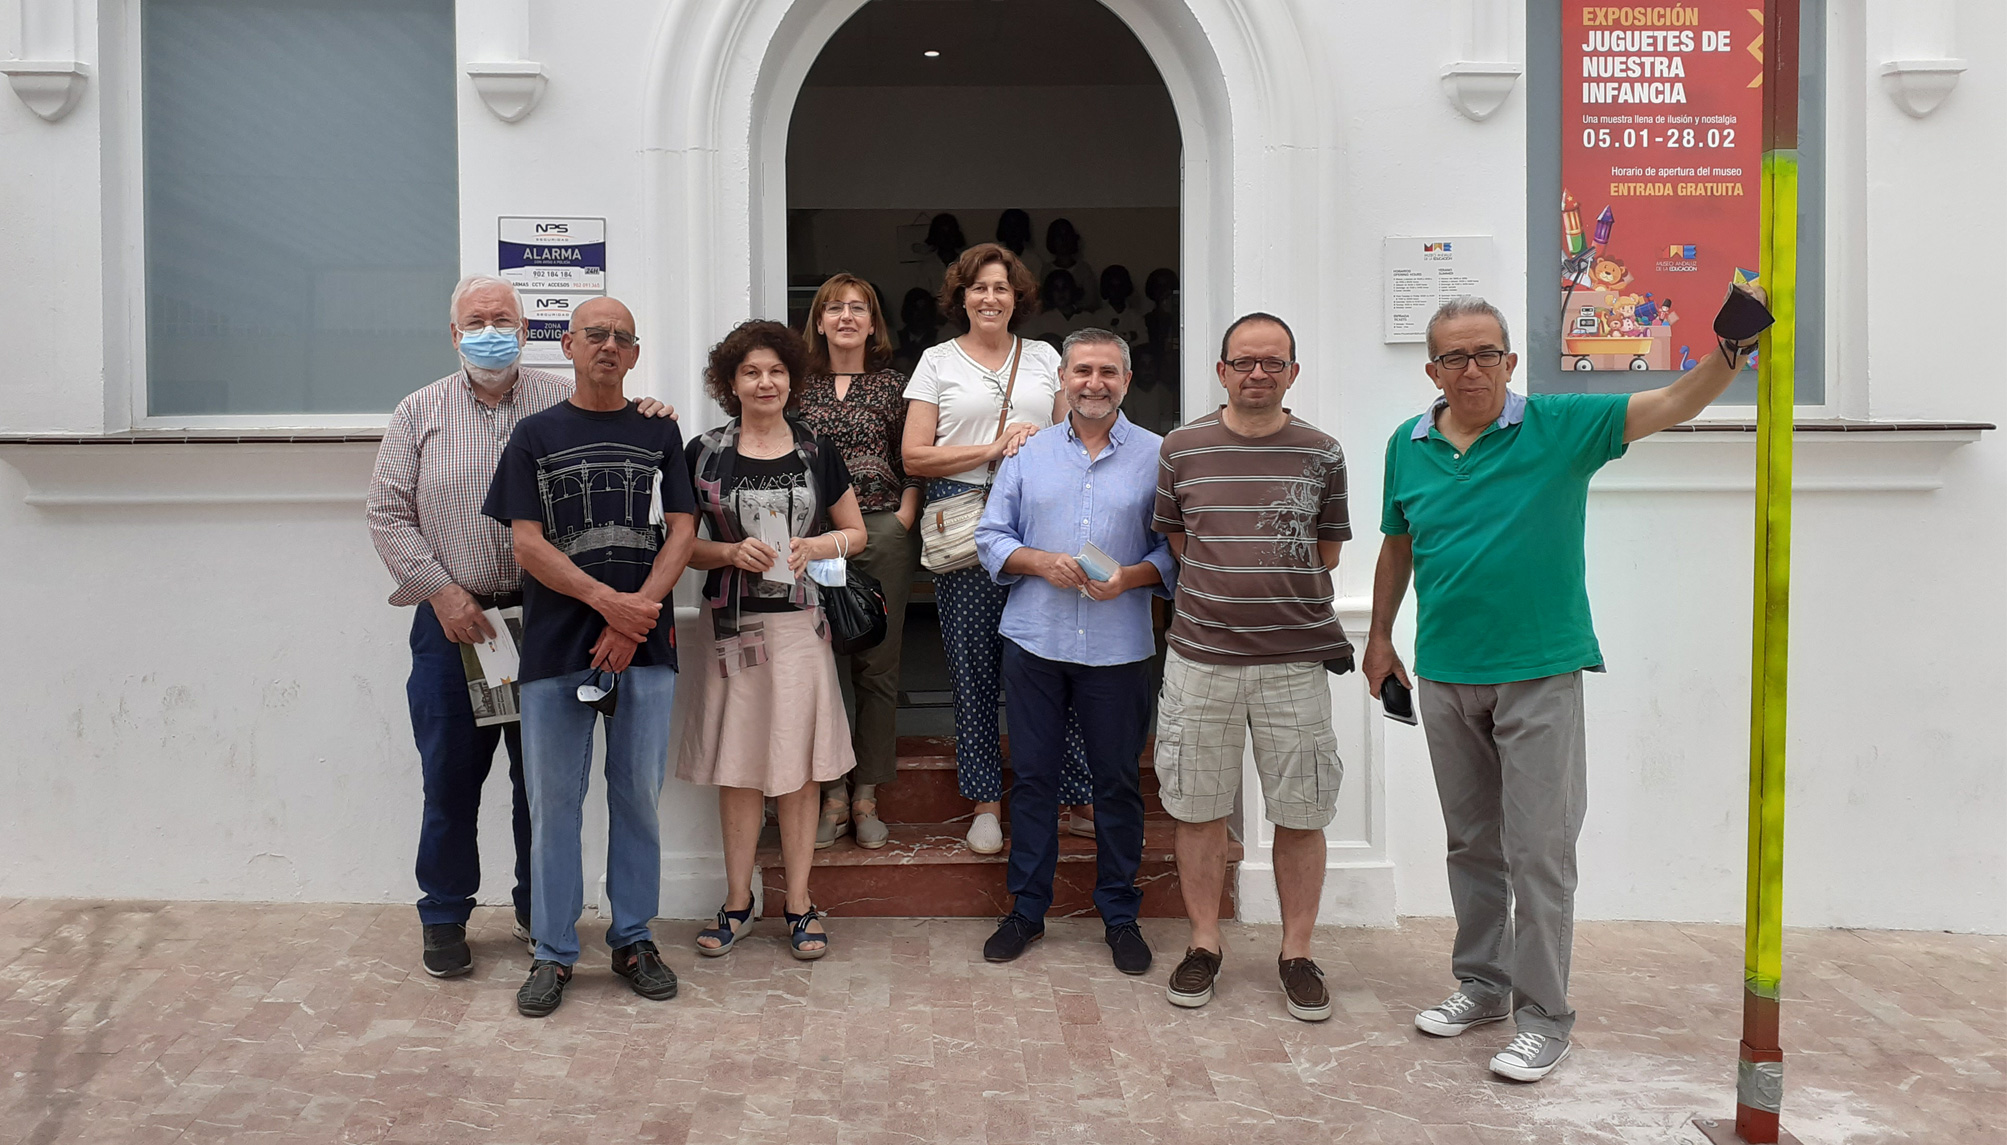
<point>953,405</point>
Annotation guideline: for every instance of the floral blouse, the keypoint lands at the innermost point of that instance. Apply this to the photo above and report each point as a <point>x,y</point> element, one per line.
<point>867,424</point>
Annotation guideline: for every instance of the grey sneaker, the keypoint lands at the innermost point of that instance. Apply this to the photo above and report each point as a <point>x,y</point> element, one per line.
<point>1457,1013</point>
<point>1530,1057</point>
<point>446,954</point>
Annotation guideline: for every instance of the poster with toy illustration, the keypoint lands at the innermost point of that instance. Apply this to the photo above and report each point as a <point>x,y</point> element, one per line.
<point>1661,153</point>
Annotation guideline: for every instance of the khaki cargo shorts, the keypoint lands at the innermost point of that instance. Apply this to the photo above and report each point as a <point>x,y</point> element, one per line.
<point>1203,718</point>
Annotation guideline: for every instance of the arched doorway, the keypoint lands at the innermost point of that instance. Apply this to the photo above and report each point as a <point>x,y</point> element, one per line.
<point>1262,169</point>
<point>926,126</point>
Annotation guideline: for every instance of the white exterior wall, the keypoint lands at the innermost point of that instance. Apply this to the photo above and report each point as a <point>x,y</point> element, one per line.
<point>202,692</point>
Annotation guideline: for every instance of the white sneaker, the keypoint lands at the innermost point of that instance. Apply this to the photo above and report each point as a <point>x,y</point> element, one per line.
<point>1530,1057</point>
<point>1457,1013</point>
<point>985,835</point>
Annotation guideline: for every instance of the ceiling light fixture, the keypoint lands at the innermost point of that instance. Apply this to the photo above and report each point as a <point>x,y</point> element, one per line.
<point>931,54</point>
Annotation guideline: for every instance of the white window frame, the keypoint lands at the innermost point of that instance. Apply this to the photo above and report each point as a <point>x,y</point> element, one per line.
<point>121,55</point>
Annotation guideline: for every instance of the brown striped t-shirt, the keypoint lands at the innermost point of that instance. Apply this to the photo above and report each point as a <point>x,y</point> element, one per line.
<point>1252,588</point>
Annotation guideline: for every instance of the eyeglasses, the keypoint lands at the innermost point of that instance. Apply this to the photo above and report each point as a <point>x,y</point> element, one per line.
<point>597,335</point>
<point>839,309</point>
<point>505,325</point>
<point>1457,359</point>
<point>601,700</point>
<point>1273,367</point>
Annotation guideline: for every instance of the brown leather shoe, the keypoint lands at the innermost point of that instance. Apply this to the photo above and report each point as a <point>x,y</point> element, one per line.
<point>1303,987</point>
<point>1192,982</point>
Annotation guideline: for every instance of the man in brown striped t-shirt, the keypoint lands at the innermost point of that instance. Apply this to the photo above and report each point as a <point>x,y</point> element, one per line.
<point>1252,500</point>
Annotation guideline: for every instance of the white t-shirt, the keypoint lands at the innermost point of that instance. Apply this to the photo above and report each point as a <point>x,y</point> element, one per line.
<point>970,397</point>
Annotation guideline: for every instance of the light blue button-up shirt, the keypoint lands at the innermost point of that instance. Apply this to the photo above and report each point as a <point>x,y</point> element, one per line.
<point>1052,496</point>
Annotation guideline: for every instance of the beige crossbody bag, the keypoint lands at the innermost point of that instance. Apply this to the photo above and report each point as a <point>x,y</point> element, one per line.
<point>948,525</point>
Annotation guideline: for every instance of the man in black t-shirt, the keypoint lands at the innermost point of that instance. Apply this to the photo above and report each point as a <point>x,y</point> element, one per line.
<point>602,513</point>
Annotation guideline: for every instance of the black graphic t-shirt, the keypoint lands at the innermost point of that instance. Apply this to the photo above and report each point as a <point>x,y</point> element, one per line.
<point>589,478</point>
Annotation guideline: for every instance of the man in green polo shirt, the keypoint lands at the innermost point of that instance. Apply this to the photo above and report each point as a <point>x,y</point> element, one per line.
<point>1485,500</point>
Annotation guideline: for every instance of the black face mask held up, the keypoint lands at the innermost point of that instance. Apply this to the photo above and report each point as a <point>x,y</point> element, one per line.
<point>1743,316</point>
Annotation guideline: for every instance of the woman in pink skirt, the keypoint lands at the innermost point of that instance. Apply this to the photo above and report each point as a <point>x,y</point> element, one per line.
<point>760,712</point>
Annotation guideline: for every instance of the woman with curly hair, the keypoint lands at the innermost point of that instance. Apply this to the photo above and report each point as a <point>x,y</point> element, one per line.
<point>953,405</point>
<point>856,400</point>
<point>767,718</point>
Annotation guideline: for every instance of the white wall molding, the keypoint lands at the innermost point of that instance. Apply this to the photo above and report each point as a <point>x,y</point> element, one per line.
<point>1882,461</point>
<point>1482,72</point>
<point>50,75</point>
<point>1921,61</point>
<point>1477,88</point>
<point>510,88</point>
<point>222,473</point>
<point>496,36</point>
<point>50,88</point>
<point>1918,86</point>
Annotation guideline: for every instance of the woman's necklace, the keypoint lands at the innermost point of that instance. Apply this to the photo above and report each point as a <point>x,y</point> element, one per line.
<point>766,443</point>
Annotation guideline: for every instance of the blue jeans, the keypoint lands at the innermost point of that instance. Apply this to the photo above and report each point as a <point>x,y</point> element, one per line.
<point>1112,704</point>
<point>454,757</point>
<point>557,758</point>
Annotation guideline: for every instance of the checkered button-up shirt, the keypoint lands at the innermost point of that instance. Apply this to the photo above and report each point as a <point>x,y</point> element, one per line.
<point>432,471</point>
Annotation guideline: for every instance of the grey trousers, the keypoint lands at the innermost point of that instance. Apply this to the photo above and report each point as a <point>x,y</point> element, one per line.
<point>1512,774</point>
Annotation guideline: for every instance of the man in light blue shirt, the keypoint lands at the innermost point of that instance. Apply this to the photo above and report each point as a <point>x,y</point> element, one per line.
<point>1077,637</point>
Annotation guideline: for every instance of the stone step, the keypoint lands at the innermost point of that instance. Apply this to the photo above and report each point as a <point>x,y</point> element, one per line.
<point>928,791</point>
<point>926,870</point>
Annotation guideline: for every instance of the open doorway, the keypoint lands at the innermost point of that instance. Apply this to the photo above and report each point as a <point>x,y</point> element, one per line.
<point>927,126</point>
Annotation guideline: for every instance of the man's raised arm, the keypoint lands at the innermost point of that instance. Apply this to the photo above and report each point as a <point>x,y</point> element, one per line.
<point>1668,406</point>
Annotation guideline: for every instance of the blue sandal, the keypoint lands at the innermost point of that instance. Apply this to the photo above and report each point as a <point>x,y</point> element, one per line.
<point>798,927</point>
<point>726,934</point>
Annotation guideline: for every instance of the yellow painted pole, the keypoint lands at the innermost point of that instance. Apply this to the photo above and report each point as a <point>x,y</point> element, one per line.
<point>1760,1070</point>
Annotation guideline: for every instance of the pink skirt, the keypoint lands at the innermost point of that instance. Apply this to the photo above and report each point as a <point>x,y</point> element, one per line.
<point>775,726</point>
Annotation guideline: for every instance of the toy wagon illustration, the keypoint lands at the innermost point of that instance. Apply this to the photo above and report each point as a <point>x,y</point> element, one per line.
<point>1611,353</point>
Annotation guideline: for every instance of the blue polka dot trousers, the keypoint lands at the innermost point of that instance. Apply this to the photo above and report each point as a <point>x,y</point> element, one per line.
<point>971,611</point>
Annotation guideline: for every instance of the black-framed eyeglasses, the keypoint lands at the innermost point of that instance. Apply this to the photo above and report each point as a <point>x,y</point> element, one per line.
<point>597,335</point>
<point>1245,366</point>
<point>600,699</point>
<point>1457,359</point>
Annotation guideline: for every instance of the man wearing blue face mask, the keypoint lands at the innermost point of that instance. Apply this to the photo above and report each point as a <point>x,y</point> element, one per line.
<point>438,455</point>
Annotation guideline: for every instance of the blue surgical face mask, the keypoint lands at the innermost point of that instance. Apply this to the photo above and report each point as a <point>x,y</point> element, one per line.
<point>489,348</point>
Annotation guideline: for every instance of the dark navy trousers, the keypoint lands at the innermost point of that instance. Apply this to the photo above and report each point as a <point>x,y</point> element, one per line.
<point>1113,706</point>
<point>455,756</point>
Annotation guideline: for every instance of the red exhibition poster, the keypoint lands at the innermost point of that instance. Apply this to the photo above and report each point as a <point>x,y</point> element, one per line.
<point>1661,158</point>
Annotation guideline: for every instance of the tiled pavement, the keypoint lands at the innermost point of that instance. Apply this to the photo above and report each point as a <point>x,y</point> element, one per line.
<point>245,1023</point>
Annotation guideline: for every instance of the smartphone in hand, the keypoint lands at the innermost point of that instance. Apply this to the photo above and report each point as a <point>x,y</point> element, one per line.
<point>1397,701</point>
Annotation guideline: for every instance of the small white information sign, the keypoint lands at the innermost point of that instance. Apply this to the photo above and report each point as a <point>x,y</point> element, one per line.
<point>1424,273</point>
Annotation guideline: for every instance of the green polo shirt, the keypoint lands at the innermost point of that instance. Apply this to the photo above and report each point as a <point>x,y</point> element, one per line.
<point>1500,586</point>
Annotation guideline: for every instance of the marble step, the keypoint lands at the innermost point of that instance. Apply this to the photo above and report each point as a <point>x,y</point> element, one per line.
<point>927,790</point>
<point>926,870</point>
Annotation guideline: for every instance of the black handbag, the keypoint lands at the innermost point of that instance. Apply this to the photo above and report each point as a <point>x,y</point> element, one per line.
<point>856,612</point>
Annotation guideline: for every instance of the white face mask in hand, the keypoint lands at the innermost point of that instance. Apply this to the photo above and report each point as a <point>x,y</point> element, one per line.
<point>835,571</point>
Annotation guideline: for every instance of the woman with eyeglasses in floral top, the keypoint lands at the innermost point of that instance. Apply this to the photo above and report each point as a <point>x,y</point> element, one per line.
<point>851,396</point>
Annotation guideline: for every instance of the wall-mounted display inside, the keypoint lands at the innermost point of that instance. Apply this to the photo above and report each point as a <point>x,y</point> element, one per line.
<point>925,128</point>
